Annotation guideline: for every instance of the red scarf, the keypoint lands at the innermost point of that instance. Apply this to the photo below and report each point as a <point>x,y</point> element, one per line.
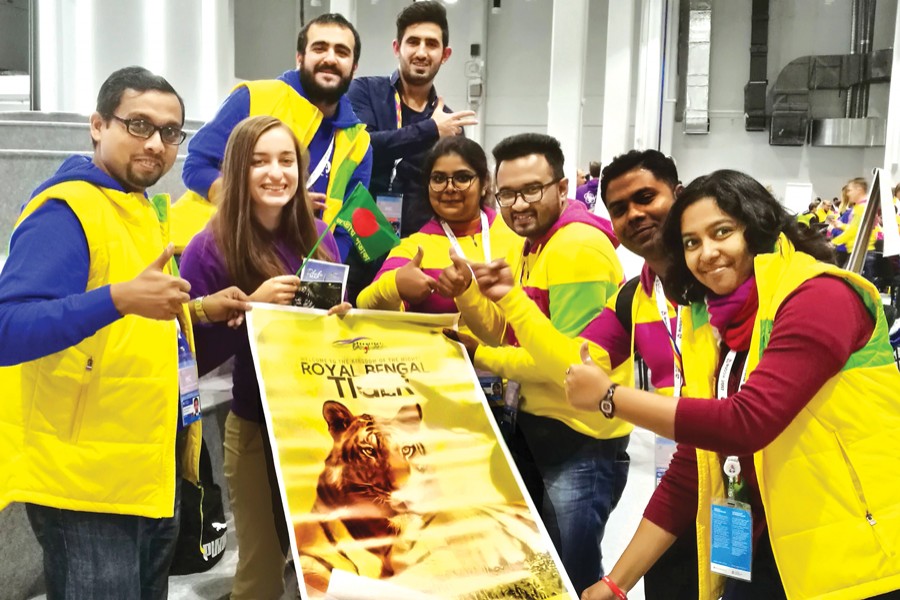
<point>733,315</point>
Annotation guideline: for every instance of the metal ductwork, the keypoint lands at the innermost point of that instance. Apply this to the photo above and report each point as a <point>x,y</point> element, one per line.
<point>756,88</point>
<point>696,111</point>
<point>791,123</point>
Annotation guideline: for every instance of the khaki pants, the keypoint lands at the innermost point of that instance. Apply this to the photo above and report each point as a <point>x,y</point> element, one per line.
<point>260,568</point>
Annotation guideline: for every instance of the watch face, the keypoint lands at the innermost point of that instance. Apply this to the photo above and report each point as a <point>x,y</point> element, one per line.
<point>606,407</point>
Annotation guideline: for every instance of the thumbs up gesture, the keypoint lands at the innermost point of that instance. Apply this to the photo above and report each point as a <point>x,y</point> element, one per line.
<point>455,278</point>
<point>413,285</point>
<point>586,383</point>
<point>153,294</point>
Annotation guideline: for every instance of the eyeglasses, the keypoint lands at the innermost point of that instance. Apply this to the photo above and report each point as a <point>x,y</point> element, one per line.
<point>141,128</point>
<point>462,180</point>
<point>530,194</point>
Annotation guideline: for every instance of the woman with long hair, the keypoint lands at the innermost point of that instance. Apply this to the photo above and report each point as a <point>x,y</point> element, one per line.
<point>787,424</point>
<point>257,240</point>
<point>413,276</point>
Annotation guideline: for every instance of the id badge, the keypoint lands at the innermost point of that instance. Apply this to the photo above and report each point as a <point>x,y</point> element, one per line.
<point>391,206</point>
<point>492,386</point>
<point>510,408</point>
<point>188,384</point>
<point>731,532</point>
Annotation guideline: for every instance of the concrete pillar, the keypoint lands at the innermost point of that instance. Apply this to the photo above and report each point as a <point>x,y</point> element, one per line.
<point>476,77</point>
<point>670,78</point>
<point>568,46</point>
<point>892,141</point>
<point>650,75</point>
<point>617,103</point>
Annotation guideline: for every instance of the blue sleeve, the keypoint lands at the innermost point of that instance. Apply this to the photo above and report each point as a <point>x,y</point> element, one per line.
<point>207,148</point>
<point>392,143</point>
<point>43,303</point>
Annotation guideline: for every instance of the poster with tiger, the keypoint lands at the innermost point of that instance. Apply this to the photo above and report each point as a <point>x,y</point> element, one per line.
<point>389,464</point>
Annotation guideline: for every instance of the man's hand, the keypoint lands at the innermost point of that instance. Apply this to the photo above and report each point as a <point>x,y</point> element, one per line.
<point>413,284</point>
<point>586,383</point>
<point>495,279</point>
<point>470,343</point>
<point>277,290</point>
<point>152,294</point>
<point>452,123</point>
<point>227,305</point>
<point>455,278</point>
<point>316,200</point>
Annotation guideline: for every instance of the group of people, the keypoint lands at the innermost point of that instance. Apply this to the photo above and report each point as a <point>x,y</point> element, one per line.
<point>111,333</point>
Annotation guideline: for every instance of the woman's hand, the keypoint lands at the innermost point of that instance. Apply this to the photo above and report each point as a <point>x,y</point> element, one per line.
<point>598,591</point>
<point>469,343</point>
<point>456,278</point>
<point>227,305</point>
<point>586,384</point>
<point>277,290</point>
<point>413,285</point>
<point>340,309</point>
<point>495,279</point>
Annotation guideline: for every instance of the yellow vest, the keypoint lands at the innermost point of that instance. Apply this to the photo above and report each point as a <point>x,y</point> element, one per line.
<point>92,427</point>
<point>273,97</point>
<point>828,481</point>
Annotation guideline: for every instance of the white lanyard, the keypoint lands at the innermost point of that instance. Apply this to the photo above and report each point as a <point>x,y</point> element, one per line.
<point>662,306</point>
<point>320,168</point>
<point>732,466</point>
<point>485,238</point>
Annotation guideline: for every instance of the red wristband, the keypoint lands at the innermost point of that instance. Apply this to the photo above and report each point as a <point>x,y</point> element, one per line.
<point>615,589</point>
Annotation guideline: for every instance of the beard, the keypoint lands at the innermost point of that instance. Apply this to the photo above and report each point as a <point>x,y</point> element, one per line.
<point>319,93</point>
<point>412,77</point>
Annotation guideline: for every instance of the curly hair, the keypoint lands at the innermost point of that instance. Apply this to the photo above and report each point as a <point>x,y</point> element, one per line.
<point>749,203</point>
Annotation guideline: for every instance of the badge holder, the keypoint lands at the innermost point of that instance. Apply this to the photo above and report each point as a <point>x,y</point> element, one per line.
<point>188,384</point>
<point>731,530</point>
<point>391,206</point>
<point>510,410</point>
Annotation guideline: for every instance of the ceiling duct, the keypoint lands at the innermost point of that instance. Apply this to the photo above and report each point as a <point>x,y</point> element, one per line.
<point>696,111</point>
<point>755,90</point>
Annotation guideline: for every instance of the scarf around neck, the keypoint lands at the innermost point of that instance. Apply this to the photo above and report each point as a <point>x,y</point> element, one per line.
<point>732,315</point>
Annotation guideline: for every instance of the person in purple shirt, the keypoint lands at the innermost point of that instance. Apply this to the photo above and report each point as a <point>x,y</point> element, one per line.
<point>257,241</point>
<point>587,192</point>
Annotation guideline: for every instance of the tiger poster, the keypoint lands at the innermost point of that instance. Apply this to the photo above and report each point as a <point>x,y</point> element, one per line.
<point>389,465</point>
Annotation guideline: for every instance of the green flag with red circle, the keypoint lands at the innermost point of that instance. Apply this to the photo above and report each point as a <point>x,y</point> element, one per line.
<point>371,232</point>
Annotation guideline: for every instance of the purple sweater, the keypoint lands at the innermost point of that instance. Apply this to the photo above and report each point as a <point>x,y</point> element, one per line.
<point>203,266</point>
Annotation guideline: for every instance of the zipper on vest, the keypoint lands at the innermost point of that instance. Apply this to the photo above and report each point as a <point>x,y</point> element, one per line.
<point>857,484</point>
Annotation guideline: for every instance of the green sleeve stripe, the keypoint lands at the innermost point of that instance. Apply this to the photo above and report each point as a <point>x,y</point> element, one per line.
<point>574,305</point>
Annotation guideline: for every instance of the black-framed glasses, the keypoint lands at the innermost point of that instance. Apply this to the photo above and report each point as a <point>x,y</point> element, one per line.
<point>462,180</point>
<point>144,129</point>
<point>530,194</point>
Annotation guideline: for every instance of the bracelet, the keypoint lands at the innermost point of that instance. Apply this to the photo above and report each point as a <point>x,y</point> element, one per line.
<point>607,403</point>
<point>615,589</point>
<point>197,303</point>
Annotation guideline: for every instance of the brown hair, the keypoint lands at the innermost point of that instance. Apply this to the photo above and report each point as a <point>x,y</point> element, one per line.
<point>247,247</point>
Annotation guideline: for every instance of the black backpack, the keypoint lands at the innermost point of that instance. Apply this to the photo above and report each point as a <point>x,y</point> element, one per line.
<point>201,537</point>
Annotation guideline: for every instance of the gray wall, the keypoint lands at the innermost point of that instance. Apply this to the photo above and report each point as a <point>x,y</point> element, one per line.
<point>14,35</point>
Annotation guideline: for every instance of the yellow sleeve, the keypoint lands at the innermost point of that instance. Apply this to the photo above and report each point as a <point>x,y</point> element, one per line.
<point>848,235</point>
<point>483,318</point>
<point>381,294</point>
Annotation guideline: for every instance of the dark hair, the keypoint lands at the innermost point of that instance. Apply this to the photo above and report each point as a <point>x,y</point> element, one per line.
<point>523,144</point>
<point>468,150</point>
<point>594,169</point>
<point>750,204</point>
<point>662,167</point>
<point>428,11</point>
<point>247,248</point>
<point>330,19</point>
<point>138,79</point>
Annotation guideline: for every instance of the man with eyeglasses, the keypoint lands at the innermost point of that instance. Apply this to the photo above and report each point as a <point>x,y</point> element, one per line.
<point>90,436</point>
<point>568,268</point>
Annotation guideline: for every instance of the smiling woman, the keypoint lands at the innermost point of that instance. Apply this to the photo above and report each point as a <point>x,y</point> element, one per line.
<point>787,418</point>
<point>458,182</point>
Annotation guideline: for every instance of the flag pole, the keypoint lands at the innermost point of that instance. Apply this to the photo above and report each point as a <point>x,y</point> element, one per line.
<point>319,241</point>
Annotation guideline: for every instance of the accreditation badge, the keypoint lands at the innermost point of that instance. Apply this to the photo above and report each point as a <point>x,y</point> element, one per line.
<point>731,533</point>
<point>188,384</point>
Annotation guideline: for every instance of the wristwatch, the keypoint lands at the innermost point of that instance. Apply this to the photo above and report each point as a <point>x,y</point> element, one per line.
<point>607,404</point>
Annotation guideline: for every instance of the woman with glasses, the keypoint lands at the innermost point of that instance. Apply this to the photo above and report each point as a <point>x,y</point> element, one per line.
<point>257,240</point>
<point>463,225</point>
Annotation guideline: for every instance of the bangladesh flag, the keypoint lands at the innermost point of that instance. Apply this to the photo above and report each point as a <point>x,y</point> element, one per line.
<point>371,232</point>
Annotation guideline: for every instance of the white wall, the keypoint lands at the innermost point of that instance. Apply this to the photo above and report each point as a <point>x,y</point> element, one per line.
<point>796,28</point>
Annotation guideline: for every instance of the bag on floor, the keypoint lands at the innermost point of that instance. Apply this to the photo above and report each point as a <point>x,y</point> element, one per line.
<point>201,537</point>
